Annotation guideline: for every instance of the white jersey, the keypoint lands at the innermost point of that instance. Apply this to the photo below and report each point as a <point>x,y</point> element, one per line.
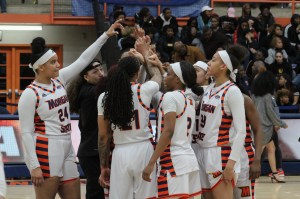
<point>52,115</point>
<point>178,158</point>
<point>139,129</point>
<point>212,123</point>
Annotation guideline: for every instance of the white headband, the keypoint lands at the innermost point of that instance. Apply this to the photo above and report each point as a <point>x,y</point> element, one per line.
<point>177,70</point>
<point>43,59</point>
<point>226,59</point>
<point>201,64</point>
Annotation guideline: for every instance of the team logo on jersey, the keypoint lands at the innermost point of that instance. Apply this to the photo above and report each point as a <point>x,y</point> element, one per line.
<point>208,108</point>
<point>53,103</point>
<point>217,97</point>
<point>245,191</point>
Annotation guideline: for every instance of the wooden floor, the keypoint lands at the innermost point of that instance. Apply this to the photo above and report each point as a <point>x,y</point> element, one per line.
<point>264,190</point>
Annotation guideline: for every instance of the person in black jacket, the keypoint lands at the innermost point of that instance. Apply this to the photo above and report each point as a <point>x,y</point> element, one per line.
<point>83,100</point>
<point>166,18</point>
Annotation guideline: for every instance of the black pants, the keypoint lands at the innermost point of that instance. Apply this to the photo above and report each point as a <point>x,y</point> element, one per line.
<point>91,169</point>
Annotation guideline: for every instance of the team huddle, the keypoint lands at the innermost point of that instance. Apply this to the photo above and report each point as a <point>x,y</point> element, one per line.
<point>203,141</point>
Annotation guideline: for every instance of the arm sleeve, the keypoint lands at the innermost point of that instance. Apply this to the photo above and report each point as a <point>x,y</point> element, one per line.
<point>2,178</point>
<point>26,110</point>
<point>99,104</point>
<point>169,103</point>
<point>271,112</point>
<point>85,58</point>
<point>235,102</point>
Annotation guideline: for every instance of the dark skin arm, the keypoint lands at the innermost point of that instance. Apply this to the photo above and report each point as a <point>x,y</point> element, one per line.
<point>104,139</point>
<point>142,45</point>
<point>253,117</point>
<point>164,141</point>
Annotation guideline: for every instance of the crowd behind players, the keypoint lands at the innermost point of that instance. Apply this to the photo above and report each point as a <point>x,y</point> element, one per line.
<point>271,46</point>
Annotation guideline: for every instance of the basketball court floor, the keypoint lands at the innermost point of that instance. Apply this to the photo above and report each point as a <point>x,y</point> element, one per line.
<point>264,189</point>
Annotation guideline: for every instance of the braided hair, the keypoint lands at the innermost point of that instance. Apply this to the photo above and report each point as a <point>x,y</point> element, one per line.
<point>118,102</point>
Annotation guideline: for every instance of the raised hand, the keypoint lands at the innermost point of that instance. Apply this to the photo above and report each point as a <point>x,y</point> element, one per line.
<point>112,29</point>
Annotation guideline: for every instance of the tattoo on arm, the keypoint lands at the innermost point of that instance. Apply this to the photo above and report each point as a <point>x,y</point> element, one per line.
<point>104,150</point>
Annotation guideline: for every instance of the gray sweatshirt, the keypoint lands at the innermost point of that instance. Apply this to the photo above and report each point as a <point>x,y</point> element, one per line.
<point>269,115</point>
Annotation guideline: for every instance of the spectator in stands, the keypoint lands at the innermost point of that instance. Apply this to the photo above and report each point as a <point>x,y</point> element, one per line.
<point>265,19</point>
<point>120,15</point>
<point>204,18</point>
<point>3,6</point>
<point>215,22</point>
<point>116,8</point>
<point>166,18</point>
<point>187,53</point>
<point>190,35</point>
<point>151,32</point>
<point>260,55</point>
<point>277,30</point>
<point>292,31</point>
<point>244,80</point>
<point>165,44</point>
<point>280,66</point>
<point>126,43</point>
<point>284,81</point>
<point>276,45</point>
<point>229,23</point>
<point>240,29</point>
<point>283,97</point>
<point>246,16</point>
<point>3,110</point>
<point>144,18</point>
<point>248,40</point>
<point>212,41</point>
<point>254,69</point>
<point>262,94</point>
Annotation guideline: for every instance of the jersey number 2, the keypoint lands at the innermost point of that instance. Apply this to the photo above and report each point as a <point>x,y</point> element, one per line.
<point>62,114</point>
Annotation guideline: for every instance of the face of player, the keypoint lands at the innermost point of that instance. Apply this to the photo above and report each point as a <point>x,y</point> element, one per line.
<point>93,76</point>
<point>201,76</point>
<point>170,80</point>
<point>50,68</point>
<point>216,66</point>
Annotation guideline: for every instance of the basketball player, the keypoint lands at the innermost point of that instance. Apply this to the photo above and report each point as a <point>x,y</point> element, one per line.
<point>222,106</point>
<point>45,120</point>
<point>123,112</point>
<point>177,165</point>
<point>250,160</point>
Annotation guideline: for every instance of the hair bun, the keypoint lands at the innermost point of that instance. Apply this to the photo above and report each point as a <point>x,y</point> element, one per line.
<point>238,51</point>
<point>38,45</point>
